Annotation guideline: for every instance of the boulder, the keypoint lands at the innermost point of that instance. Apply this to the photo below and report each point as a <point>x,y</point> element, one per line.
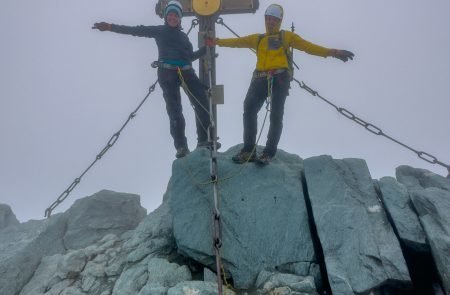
<point>415,178</point>
<point>7,217</point>
<point>281,283</point>
<point>263,214</point>
<point>433,206</point>
<point>398,204</point>
<point>197,288</point>
<point>430,194</point>
<point>360,248</point>
<point>87,221</point>
<point>106,212</point>
<point>22,248</point>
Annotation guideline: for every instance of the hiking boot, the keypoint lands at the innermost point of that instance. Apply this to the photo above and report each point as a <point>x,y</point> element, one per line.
<point>181,152</point>
<point>263,159</point>
<point>243,157</point>
<point>208,145</point>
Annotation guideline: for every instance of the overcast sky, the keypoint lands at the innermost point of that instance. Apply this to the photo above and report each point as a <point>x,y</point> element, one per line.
<point>65,89</point>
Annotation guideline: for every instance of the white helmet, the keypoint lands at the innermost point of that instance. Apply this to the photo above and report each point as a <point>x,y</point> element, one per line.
<point>175,6</point>
<point>275,10</point>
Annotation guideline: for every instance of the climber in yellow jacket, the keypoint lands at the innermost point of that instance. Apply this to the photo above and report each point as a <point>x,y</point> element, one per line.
<point>272,74</point>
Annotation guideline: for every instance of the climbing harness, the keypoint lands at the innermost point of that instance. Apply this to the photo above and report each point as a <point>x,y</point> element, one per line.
<point>270,78</point>
<point>374,129</point>
<point>262,74</point>
<point>160,64</point>
<point>110,143</point>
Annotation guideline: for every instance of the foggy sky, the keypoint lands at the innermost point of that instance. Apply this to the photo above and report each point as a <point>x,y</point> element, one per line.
<point>66,89</point>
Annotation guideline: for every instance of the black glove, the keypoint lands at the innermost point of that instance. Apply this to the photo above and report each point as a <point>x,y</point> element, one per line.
<point>343,55</point>
<point>102,26</point>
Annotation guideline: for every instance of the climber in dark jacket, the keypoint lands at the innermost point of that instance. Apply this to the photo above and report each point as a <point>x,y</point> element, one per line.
<point>175,56</point>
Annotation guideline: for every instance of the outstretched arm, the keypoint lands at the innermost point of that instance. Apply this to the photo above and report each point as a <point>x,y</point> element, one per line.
<point>140,31</point>
<point>341,54</point>
<point>301,44</point>
<point>250,41</point>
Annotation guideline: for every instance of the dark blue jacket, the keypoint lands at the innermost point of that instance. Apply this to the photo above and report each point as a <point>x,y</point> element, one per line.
<point>173,44</point>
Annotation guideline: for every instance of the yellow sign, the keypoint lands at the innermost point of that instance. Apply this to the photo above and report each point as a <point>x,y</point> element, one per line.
<point>206,7</point>
<point>209,7</point>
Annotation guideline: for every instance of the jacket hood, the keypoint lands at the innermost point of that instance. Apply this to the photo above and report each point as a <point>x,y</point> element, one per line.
<point>276,11</point>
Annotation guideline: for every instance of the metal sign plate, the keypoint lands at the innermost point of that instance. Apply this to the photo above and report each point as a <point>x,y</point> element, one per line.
<point>226,7</point>
<point>206,7</point>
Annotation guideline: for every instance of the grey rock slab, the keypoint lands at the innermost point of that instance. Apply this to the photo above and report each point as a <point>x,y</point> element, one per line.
<point>269,282</point>
<point>397,201</point>
<point>7,217</point>
<point>153,236</point>
<point>415,178</point>
<point>132,279</point>
<point>44,275</point>
<point>167,274</point>
<point>262,211</point>
<point>360,248</point>
<point>22,248</point>
<point>105,212</point>
<point>153,289</point>
<point>81,270</point>
<point>72,264</point>
<point>197,288</point>
<point>433,206</point>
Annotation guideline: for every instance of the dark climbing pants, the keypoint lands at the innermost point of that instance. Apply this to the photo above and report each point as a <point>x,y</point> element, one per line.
<point>170,83</point>
<point>256,96</point>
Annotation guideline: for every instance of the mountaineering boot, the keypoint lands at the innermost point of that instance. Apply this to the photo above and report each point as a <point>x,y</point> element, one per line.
<point>181,152</point>
<point>243,157</point>
<point>208,145</point>
<point>263,159</point>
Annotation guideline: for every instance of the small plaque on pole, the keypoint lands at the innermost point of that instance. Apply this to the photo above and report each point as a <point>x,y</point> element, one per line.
<point>206,7</point>
<point>193,7</point>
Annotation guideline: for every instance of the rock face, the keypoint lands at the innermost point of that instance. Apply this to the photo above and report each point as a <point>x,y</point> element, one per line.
<point>360,248</point>
<point>262,211</point>
<point>107,212</point>
<point>431,199</point>
<point>397,201</point>
<point>7,217</point>
<point>317,226</point>
<point>23,246</point>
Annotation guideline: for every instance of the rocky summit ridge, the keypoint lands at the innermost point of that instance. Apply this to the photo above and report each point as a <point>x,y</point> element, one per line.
<point>313,226</point>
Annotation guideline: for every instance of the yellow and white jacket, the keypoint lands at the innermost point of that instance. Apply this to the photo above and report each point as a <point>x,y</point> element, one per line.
<point>271,54</point>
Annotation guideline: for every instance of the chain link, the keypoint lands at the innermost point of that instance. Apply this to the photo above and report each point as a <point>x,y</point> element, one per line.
<point>220,22</point>
<point>110,143</point>
<point>194,23</point>
<point>374,129</point>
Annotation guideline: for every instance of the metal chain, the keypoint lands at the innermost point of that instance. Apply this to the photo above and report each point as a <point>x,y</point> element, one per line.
<point>220,22</point>
<point>374,129</point>
<point>110,143</point>
<point>194,23</point>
